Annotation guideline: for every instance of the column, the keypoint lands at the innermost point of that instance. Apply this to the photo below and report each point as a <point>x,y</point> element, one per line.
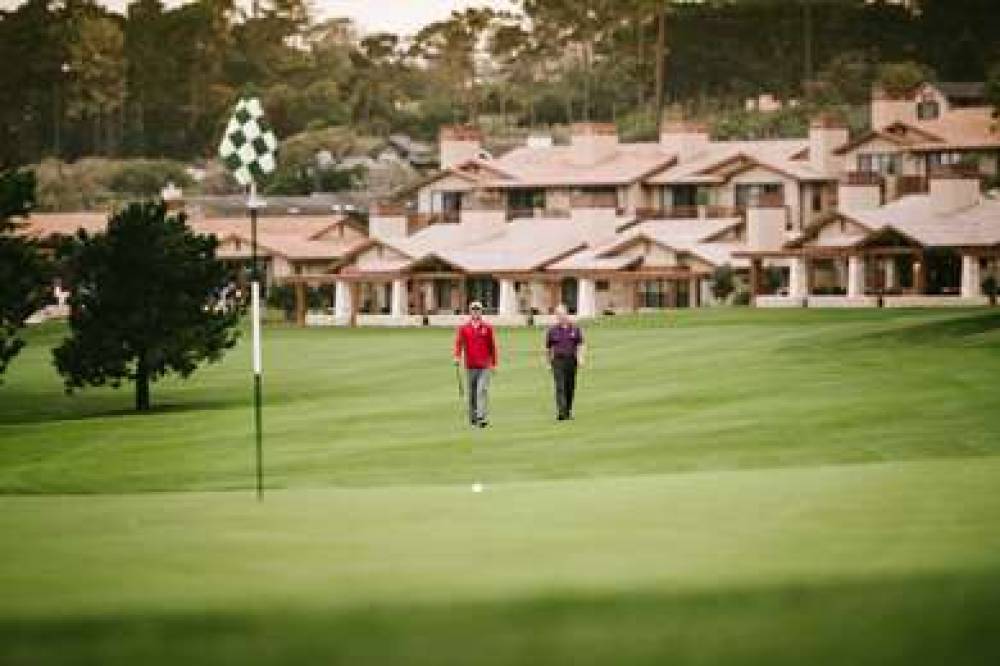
<point>344,305</point>
<point>971,280</point>
<point>430,306</point>
<point>300,303</point>
<point>755,271</point>
<point>507,307</point>
<point>398,306</point>
<point>586,298</point>
<point>555,295</point>
<point>694,293</point>
<point>890,277</point>
<point>919,274</point>
<point>855,276</point>
<point>797,283</point>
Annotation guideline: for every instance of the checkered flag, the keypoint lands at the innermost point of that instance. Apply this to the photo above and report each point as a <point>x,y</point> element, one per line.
<point>248,147</point>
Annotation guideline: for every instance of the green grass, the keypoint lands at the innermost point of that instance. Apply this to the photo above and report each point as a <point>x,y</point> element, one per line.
<point>739,487</point>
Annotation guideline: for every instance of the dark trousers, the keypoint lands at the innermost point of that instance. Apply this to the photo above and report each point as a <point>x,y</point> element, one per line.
<point>564,374</point>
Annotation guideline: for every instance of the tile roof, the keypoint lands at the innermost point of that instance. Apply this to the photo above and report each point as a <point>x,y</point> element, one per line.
<point>915,217</point>
<point>577,166</point>
<point>781,155</point>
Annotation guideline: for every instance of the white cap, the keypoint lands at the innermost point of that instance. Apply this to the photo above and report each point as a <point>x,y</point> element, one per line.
<point>475,305</point>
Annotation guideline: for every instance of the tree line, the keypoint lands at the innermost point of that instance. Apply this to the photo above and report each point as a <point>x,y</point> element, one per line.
<point>158,81</point>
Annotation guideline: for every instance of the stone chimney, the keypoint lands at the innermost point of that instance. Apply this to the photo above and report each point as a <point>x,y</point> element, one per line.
<point>766,227</point>
<point>860,191</point>
<point>887,109</point>
<point>952,190</point>
<point>684,138</point>
<point>459,143</point>
<point>593,141</point>
<point>826,134</point>
<point>387,221</point>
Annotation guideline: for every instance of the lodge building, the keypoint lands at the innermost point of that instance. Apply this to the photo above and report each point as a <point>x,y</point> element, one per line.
<point>895,217</point>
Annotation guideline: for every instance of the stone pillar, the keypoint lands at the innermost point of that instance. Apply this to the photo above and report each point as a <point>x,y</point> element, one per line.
<point>398,306</point>
<point>344,307</point>
<point>430,305</point>
<point>971,279</point>
<point>891,279</point>
<point>507,307</point>
<point>855,276</point>
<point>798,285</point>
<point>694,293</point>
<point>300,303</point>
<point>586,298</point>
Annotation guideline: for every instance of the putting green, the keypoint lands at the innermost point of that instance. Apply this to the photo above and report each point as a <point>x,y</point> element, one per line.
<point>739,487</point>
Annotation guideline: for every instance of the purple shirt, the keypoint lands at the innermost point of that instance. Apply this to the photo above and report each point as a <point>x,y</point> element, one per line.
<point>563,340</point>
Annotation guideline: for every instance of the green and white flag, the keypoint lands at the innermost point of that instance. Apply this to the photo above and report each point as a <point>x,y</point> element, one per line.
<point>248,147</point>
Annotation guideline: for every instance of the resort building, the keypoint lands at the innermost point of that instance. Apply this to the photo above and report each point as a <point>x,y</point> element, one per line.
<point>890,218</point>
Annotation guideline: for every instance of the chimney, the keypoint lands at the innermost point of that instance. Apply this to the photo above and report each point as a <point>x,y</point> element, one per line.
<point>766,227</point>
<point>684,138</point>
<point>887,109</point>
<point>458,143</point>
<point>860,191</point>
<point>952,190</point>
<point>387,221</point>
<point>593,141</point>
<point>826,134</point>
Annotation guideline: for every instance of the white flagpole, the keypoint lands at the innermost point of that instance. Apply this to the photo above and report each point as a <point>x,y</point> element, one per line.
<point>253,203</point>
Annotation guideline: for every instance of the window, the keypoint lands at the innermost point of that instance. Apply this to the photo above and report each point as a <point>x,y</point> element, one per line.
<point>945,159</point>
<point>602,285</point>
<point>887,164</point>
<point>652,294</point>
<point>817,199</point>
<point>752,194</point>
<point>525,199</point>
<point>928,108</point>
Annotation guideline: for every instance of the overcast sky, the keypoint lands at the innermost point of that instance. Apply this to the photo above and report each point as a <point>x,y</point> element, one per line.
<point>399,16</point>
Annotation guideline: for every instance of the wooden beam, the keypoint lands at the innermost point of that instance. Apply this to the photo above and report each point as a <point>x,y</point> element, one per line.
<point>300,303</point>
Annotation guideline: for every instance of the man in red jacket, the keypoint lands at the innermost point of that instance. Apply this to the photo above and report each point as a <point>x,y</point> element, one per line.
<point>476,341</point>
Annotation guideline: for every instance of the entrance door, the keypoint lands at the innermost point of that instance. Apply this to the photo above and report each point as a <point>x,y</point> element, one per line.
<point>569,294</point>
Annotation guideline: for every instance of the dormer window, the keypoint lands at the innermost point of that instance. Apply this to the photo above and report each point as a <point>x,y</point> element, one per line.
<point>928,108</point>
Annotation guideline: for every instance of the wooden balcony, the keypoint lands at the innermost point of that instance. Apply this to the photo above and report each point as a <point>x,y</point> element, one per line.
<point>911,185</point>
<point>864,178</point>
<point>689,212</point>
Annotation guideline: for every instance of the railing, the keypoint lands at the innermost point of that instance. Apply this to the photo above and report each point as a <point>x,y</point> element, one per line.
<point>527,213</point>
<point>768,200</point>
<point>911,185</point>
<point>688,212</point>
<point>593,200</point>
<point>963,171</point>
<point>864,178</point>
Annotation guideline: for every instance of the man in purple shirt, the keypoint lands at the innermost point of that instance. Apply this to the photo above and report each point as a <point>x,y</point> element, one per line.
<point>564,344</point>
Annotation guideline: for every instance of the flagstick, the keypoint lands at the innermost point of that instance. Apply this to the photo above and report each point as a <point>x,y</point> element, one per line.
<point>253,204</point>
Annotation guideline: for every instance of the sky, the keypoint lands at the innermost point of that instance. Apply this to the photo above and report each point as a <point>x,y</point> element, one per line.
<point>400,16</point>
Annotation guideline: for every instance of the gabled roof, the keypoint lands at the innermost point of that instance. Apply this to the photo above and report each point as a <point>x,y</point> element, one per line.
<point>574,166</point>
<point>898,133</point>
<point>782,156</point>
<point>913,217</point>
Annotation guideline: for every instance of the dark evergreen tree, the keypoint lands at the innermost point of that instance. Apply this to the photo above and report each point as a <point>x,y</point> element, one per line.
<point>24,272</point>
<point>143,303</point>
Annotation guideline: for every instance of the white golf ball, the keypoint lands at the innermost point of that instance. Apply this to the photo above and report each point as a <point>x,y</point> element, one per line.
<point>477,487</point>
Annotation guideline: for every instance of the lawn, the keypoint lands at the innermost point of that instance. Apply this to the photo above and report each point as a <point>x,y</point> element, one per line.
<point>744,487</point>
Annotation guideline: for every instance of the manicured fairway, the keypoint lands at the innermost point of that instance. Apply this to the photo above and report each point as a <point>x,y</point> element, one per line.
<point>739,487</point>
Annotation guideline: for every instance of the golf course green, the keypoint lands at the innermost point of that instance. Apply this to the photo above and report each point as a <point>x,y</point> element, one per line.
<point>738,487</point>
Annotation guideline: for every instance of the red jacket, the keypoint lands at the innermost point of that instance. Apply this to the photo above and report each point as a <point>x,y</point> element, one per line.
<point>478,343</point>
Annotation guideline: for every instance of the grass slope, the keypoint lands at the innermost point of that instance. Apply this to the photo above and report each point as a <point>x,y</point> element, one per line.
<point>739,487</point>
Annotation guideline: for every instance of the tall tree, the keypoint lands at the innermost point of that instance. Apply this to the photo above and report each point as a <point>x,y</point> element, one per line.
<point>24,272</point>
<point>143,302</point>
<point>96,59</point>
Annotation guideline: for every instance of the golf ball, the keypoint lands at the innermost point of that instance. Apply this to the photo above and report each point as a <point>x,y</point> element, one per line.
<point>477,487</point>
